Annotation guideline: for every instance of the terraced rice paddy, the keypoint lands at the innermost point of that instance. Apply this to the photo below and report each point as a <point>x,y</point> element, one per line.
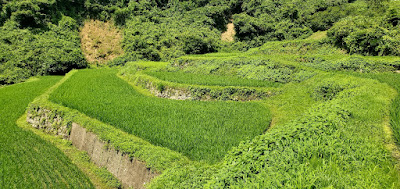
<point>27,161</point>
<point>201,130</point>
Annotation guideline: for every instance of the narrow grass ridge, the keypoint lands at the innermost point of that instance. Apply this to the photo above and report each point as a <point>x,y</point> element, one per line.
<point>184,86</point>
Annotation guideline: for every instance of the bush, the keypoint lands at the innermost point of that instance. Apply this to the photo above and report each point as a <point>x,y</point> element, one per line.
<point>367,36</point>
<point>25,53</point>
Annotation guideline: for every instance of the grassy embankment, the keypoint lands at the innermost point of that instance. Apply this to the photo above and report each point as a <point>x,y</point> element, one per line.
<point>210,80</point>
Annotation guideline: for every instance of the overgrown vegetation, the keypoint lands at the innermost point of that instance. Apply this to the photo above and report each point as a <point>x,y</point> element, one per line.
<point>375,33</point>
<point>38,38</point>
<point>164,30</point>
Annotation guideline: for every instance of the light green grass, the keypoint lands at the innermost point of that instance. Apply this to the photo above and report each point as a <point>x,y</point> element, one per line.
<point>27,161</point>
<point>213,80</point>
<point>200,130</point>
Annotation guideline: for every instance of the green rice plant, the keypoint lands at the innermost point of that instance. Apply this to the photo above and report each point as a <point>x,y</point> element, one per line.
<point>27,161</point>
<point>201,130</point>
<point>156,158</point>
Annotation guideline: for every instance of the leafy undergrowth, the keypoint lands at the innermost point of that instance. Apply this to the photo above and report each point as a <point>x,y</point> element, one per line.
<point>337,142</point>
<point>297,47</point>
<point>201,130</point>
<point>25,159</point>
<point>269,69</point>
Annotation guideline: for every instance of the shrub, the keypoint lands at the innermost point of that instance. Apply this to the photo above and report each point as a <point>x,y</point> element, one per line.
<point>367,36</point>
<point>25,53</point>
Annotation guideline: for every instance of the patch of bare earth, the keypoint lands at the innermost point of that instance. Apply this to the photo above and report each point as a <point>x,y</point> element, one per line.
<point>229,34</point>
<point>100,41</point>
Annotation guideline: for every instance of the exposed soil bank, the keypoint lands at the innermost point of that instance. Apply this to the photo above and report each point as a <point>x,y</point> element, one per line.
<point>229,34</point>
<point>131,172</point>
<point>100,41</point>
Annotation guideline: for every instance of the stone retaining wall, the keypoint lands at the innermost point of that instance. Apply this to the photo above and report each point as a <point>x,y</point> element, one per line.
<point>131,173</point>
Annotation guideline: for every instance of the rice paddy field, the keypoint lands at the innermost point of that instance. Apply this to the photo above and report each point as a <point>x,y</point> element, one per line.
<point>27,161</point>
<point>203,131</point>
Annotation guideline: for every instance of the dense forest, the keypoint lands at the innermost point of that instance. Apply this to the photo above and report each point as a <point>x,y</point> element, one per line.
<point>41,37</point>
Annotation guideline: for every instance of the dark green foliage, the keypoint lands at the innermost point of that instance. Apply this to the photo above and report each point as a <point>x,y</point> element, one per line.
<point>393,14</point>
<point>169,35</point>
<point>28,13</point>
<point>27,161</point>
<point>39,37</point>
<point>323,20</point>
<point>26,54</point>
<point>39,13</point>
<point>259,21</point>
<point>369,34</point>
